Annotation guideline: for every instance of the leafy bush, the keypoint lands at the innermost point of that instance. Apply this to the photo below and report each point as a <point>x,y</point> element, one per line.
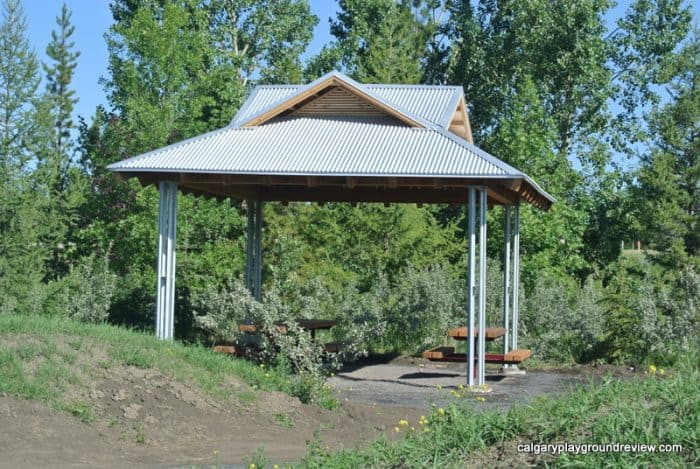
<point>651,313</point>
<point>561,321</point>
<point>426,302</point>
<point>88,289</point>
<point>362,323</point>
<point>220,311</point>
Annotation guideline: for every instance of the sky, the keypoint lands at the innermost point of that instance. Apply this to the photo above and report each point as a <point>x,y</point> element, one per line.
<point>92,19</point>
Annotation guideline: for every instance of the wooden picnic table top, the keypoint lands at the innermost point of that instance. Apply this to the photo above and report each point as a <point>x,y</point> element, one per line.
<point>492,333</point>
<point>308,324</point>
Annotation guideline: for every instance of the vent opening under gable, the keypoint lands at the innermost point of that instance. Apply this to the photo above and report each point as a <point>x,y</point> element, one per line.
<point>336,101</point>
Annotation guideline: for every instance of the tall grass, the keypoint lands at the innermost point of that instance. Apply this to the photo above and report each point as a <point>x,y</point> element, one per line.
<point>654,409</point>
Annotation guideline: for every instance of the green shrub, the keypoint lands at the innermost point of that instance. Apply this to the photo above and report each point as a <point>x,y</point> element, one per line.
<point>651,313</point>
<point>561,321</point>
<point>220,311</point>
<point>89,288</point>
<point>425,303</point>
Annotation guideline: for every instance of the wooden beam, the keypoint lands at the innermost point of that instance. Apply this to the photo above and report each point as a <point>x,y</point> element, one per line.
<point>514,184</point>
<point>371,189</point>
<point>361,194</point>
<point>236,192</point>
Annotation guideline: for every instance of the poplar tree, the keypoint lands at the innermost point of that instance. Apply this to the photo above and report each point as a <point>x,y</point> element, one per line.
<point>376,41</point>
<point>668,188</point>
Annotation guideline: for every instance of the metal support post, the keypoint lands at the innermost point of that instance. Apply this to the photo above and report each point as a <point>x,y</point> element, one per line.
<point>253,273</point>
<point>165,277</point>
<point>506,276</point>
<point>482,285</point>
<point>471,213</point>
<point>249,246</point>
<point>258,249</point>
<point>516,276</point>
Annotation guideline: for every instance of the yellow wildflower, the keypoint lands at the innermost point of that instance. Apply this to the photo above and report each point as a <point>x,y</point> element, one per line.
<point>661,371</point>
<point>413,429</point>
<point>480,399</point>
<point>403,422</point>
<point>438,387</point>
<point>652,369</point>
<point>441,412</point>
<point>397,429</point>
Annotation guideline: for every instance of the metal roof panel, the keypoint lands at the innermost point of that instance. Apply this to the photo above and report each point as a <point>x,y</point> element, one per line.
<point>324,146</point>
<point>431,103</point>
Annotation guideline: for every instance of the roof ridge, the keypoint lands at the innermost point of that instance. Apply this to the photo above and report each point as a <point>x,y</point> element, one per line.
<point>349,82</point>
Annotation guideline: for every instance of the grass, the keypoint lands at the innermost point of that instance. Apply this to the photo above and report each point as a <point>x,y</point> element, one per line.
<point>38,361</point>
<point>655,409</point>
<point>284,420</point>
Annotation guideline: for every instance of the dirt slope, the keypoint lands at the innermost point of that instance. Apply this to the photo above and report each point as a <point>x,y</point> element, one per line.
<point>142,417</point>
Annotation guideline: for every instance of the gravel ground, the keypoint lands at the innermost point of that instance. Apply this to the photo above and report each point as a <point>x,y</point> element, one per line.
<point>423,384</point>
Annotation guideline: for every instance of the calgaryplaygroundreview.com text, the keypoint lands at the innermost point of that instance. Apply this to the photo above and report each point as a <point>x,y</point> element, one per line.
<point>582,448</point>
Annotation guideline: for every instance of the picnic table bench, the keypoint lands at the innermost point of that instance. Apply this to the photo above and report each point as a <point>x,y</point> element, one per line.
<point>447,354</point>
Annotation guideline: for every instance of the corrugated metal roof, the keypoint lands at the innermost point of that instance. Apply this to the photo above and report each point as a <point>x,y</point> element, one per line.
<point>331,79</point>
<point>340,146</point>
<point>261,98</point>
<point>336,146</point>
<point>432,103</point>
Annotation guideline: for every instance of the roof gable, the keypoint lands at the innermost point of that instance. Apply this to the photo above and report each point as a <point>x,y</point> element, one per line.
<point>435,104</point>
<point>336,101</point>
<point>301,96</point>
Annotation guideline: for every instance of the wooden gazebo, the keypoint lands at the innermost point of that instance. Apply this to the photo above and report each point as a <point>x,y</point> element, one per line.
<point>336,140</point>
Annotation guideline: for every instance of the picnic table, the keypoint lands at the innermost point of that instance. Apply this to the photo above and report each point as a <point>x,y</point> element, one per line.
<point>462,333</point>
<point>447,354</point>
<point>311,325</point>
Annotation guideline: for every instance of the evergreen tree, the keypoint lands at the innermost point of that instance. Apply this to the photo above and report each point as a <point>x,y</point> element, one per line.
<point>21,252</point>
<point>19,80</point>
<point>57,180</point>
<point>58,80</point>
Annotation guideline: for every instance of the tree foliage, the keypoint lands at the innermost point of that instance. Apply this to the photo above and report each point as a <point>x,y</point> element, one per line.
<point>602,112</point>
<point>668,189</point>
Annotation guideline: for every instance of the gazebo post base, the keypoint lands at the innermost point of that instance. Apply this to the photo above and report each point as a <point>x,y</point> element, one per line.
<point>512,370</point>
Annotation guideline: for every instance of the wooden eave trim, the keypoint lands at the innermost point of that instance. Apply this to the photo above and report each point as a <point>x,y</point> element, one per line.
<point>467,123</point>
<point>463,121</point>
<point>335,188</point>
